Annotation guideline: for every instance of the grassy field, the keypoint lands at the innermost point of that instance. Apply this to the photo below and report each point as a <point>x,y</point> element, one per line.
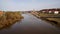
<point>55,20</point>
<point>51,18</point>
<point>9,18</point>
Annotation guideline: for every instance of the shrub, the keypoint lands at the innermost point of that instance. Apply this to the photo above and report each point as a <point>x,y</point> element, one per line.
<point>10,18</point>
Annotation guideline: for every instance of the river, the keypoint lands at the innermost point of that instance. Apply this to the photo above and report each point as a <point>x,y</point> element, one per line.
<point>31,25</point>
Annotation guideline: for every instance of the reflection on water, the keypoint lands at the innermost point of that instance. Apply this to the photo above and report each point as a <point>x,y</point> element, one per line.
<point>54,23</point>
<point>9,25</point>
<point>31,25</point>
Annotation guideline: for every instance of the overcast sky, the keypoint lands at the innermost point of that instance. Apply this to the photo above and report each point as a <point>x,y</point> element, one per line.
<point>23,5</point>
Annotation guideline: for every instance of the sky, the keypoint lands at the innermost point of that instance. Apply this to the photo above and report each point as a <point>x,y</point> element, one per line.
<point>25,5</point>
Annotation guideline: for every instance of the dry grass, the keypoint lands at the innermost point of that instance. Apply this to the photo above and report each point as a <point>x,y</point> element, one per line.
<point>52,18</point>
<point>48,15</point>
<point>10,18</point>
<point>57,20</point>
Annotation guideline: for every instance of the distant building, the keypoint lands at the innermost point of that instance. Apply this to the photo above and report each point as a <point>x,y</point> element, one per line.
<point>50,11</point>
<point>43,11</point>
<point>56,12</point>
<point>33,10</point>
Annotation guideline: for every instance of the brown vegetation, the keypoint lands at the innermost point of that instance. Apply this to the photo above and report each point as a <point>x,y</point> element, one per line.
<point>51,18</point>
<point>9,18</point>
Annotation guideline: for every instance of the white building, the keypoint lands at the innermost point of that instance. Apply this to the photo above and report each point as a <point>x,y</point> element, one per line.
<point>56,12</point>
<point>50,11</point>
<point>43,11</point>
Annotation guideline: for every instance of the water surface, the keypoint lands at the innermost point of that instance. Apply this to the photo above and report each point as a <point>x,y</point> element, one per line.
<point>31,25</point>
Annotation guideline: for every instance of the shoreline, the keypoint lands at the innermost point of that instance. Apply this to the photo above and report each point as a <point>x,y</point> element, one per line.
<point>50,20</point>
<point>9,19</point>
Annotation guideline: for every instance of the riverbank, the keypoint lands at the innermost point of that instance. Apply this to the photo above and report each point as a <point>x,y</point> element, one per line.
<point>9,18</point>
<point>52,18</point>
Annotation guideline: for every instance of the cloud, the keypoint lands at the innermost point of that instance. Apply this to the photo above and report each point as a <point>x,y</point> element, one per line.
<point>28,4</point>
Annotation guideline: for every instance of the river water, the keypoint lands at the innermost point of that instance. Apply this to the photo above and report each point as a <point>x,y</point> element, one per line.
<point>31,25</point>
